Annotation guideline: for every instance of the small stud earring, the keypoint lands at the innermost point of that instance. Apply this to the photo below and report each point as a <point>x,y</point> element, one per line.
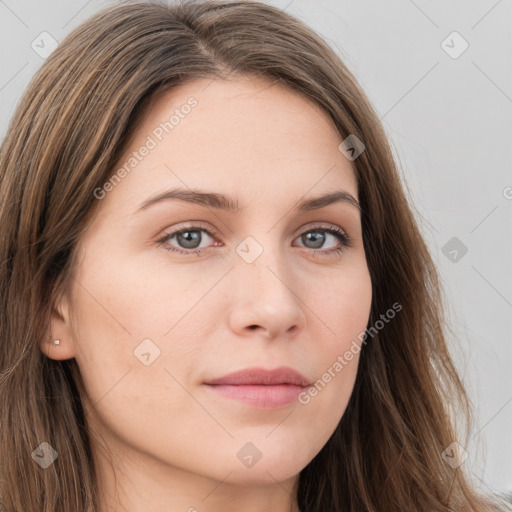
<point>56,342</point>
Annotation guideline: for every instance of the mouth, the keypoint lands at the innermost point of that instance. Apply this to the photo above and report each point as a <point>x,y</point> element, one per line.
<point>261,388</point>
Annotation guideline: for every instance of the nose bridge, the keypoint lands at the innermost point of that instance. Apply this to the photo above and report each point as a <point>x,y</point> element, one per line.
<point>266,295</point>
<point>265,262</point>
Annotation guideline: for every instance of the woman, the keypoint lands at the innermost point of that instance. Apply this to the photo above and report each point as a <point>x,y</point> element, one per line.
<point>216,296</point>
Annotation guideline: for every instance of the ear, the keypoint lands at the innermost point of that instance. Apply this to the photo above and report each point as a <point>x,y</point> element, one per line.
<point>60,329</point>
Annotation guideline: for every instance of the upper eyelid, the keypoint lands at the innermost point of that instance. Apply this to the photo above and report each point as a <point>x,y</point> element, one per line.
<point>214,233</point>
<point>194,225</point>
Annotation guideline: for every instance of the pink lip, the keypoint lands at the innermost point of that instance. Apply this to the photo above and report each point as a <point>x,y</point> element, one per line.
<point>265,389</point>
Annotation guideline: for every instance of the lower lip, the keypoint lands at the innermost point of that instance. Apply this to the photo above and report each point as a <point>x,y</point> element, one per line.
<point>260,396</point>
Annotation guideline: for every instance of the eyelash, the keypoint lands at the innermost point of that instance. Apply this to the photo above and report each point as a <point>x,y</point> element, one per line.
<point>344,239</point>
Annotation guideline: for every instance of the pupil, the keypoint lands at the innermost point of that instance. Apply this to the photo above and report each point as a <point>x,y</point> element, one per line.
<point>189,239</point>
<point>316,237</point>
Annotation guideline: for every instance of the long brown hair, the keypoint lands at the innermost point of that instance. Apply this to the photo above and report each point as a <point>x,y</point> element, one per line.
<point>70,128</point>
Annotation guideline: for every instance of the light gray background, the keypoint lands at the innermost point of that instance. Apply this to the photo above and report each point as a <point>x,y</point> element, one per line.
<point>449,123</point>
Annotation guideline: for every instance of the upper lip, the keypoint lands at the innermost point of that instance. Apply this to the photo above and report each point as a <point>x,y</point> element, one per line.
<point>261,376</point>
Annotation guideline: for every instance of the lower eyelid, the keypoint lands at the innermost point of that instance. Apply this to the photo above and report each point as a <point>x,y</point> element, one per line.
<point>344,240</point>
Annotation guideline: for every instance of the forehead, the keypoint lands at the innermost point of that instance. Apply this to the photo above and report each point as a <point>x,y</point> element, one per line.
<point>241,134</point>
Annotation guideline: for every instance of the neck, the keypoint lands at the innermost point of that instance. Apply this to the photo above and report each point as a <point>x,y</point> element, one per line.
<point>134,482</point>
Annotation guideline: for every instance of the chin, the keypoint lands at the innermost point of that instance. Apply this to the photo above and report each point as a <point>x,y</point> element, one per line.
<point>278,462</point>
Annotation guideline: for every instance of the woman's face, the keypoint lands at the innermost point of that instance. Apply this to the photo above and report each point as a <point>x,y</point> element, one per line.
<point>161,318</point>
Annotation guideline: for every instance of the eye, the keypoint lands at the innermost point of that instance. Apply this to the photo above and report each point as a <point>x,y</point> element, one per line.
<point>315,239</point>
<point>188,240</point>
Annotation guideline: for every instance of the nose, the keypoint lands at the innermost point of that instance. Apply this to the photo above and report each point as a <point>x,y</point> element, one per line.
<point>266,300</point>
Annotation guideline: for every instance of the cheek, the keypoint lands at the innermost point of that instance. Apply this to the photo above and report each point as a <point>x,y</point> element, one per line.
<point>342,305</point>
<point>344,311</point>
<point>128,362</point>
<point>126,300</point>
<point>132,321</point>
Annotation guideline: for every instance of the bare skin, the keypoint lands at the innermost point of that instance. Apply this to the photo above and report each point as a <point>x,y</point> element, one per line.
<point>174,444</point>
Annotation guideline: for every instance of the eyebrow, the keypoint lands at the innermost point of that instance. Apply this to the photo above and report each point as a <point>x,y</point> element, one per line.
<point>223,202</point>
